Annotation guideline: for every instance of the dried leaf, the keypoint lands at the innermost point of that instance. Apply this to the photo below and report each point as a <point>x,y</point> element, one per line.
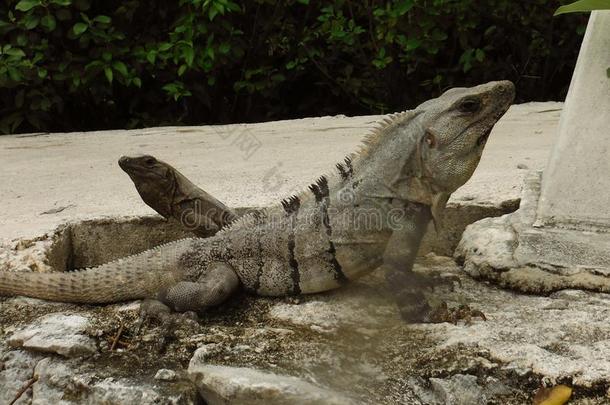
<point>557,395</point>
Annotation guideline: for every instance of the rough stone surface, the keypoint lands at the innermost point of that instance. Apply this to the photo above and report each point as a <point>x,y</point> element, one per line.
<point>56,333</point>
<point>165,375</point>
<point>321,316</point>
<point>512,251</point>
<point>69,382</point>
<point>16,369</point>
<point>364,352</point>
<point>221,385</point>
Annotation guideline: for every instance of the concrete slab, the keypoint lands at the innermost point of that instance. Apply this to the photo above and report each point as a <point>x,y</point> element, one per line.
<point>576,187</point>
<point>560,236</point>
<point>49,179</point>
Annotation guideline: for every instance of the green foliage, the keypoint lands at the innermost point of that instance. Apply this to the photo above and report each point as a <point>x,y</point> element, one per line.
<point>584,5</point>
<point>83,65</point>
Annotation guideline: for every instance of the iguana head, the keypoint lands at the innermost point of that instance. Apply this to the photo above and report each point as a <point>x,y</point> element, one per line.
<point>154,179</point>
<point>455,127</point>
<point>453,130</point>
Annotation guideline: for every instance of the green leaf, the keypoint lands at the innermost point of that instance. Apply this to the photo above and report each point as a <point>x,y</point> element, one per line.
<point>404,6</point>
<point>14,74</point>
<point>22,40</point>
<point>137,82</point>
<point>412,44</point>
<point>107,56</point>
<point>170,88</point>
<point>85,18</point>
<point>224,48</point>
<point>14,52</point>
<point>479,55</point>
<point>62,2</point>
<point>583,5</point>
<point>164,46</point>
<point>79,28</point>
<point>31,21</point>
<point>108,73</point>
<point>26,5</point>
<point>104,19</point>
<point>189,55</point>
<point>42,73</point>
<point>181,70</point>
<point>96,64</point>
<point>48,21</point>
<point>151,56</point>
<point>120,67</point>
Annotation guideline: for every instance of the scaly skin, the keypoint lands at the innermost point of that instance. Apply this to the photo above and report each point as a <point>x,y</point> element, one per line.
<point>371,211</point>
<point>173,196</point>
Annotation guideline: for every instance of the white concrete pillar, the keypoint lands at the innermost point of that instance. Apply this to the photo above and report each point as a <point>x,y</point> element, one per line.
<point>575,189</point>
<point>560,236</point>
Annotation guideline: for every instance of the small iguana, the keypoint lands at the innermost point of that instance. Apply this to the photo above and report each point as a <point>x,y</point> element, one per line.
<point>173,196</point>
<point>372,210</point>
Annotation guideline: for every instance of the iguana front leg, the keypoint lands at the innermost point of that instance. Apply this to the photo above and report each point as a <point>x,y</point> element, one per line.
<point>398,260</point>
<point>213,287</point>
<point>217,284</point>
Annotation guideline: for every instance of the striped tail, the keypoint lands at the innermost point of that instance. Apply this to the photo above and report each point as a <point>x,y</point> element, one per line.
<point>134,277</point>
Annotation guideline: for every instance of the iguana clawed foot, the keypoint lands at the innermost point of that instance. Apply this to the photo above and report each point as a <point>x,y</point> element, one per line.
<point>414,308</point>
<point>442,313</point>
<point>156,310</point>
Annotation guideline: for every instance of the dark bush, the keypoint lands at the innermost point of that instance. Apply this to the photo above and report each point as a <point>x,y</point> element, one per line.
<point>82,65</point>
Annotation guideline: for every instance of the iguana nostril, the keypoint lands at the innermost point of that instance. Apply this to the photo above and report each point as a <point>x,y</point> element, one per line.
<point>123,160</point>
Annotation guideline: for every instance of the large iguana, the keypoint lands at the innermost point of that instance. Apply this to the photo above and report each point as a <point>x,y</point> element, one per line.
<point>371,210</point>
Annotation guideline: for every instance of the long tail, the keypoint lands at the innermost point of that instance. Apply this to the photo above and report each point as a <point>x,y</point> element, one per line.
<point>134,277</point>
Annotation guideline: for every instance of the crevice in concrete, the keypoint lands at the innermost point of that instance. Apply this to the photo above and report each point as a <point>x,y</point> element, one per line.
<point>93,242</point>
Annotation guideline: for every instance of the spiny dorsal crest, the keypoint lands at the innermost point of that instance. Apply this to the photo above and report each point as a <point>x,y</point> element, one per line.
<point>385,126</point>
<point>345,168</point>
<point>321,187</point>
<point>291,204</point>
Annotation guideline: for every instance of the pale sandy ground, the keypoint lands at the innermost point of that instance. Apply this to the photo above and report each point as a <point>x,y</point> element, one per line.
<point>243,165</point>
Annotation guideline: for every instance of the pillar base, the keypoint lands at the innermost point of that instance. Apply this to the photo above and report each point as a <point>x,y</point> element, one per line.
<point>517,251</point>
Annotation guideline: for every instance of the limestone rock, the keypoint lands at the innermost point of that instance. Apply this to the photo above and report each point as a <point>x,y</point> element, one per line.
<point>347,308</point>
<point>16,368</point>
<point>56,333</point>
<point>516,252</point>
<point>238,385</point>
<point>165,375</point>
<point>458,390</point>
<point>67,383</point>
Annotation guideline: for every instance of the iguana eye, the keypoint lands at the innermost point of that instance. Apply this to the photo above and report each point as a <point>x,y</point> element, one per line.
<point>430,139</point>
<point>469,105</point>
<point>150,161</point>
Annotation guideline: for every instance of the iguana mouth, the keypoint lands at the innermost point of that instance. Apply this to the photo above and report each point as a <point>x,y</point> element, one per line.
<point>481,140</point>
